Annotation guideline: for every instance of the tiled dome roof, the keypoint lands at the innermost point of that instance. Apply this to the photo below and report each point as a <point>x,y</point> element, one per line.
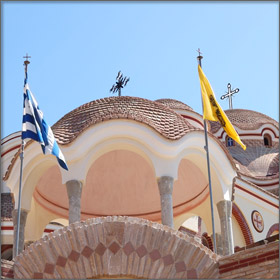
<point>174,104</point>
<point>245,119</point>
<point>257,162</point>
<point>164,120</point>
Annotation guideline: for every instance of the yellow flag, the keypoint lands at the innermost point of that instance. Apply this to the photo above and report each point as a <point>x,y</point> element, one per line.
<point>212,110</point>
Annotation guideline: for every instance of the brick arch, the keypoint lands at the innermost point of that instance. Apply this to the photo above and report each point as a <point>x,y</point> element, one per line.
<point>238,215</point>
<point>116,247</point>
<point>272,229</point>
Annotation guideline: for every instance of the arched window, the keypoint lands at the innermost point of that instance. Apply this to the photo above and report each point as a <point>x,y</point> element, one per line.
<point>267,140</point>
<point>229,142</point>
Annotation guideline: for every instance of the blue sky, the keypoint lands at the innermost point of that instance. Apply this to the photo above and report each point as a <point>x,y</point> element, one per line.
<point>77,48</point>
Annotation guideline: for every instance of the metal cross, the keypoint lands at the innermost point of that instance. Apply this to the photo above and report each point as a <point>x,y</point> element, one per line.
<point>229,94</point>
<point>27,57</point>
<point>120,83</point>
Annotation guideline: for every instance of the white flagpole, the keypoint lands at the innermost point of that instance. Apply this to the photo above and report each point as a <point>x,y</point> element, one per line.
<point>208,166</point>
<point>26,62</point>
<point>19,197</point>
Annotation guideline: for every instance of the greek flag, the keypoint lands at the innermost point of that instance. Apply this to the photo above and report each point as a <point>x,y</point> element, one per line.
<point>35,127</point>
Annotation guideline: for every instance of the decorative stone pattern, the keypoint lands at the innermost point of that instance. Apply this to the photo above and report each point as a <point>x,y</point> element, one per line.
<point>116,247</point>
<point>7,206</point>
<point>260,262</point>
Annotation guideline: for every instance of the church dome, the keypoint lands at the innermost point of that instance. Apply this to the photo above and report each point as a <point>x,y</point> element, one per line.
<point>174,104</point>
<point>257,162</point>
<point>245,120</point>
<point>162,119</point>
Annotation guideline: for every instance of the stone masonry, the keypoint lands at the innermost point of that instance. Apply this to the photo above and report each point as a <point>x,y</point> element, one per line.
<point>116,247</point>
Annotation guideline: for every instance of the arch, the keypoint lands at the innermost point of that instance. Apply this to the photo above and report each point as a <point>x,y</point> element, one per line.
<point>7,252</point>
<point>229,142</point>
<point>272,229</point>
<point>267,141</point>
<point>238,215</point>
<point>207,241</point>
<point>116,247</point>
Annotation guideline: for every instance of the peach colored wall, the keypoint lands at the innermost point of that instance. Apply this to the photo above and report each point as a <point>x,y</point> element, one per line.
<point>122,182</point>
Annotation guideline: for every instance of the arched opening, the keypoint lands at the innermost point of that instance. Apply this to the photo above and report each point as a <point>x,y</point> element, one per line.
<point>273,230</point>
<point>52,226</point>
<point>229,142</point>
<point>7,252</point>
<point>195,227</point>
<point>267,141</point>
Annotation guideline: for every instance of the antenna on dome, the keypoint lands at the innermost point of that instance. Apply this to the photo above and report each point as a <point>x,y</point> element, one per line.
<point>120,83</point>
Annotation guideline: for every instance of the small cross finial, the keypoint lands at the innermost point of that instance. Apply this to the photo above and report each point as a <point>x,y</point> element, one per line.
<point>26,62</point>
<point>199,56</point>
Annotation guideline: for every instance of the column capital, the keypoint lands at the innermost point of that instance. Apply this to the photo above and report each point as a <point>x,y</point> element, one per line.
<point>74,187</point>
<point>165,184</point>
<point>224,208</point>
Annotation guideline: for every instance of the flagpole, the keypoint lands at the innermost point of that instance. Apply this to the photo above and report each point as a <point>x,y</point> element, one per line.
<point>208,166</point>
<point>26,62</point>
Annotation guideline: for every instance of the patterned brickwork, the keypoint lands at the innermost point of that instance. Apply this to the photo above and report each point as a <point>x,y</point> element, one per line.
<point>243,224</point>
<point>7,206</point>
<point>116,246</point>
<point>261,262</point>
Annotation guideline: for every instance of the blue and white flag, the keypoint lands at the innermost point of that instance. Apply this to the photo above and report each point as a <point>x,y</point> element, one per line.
<point>35,127</point>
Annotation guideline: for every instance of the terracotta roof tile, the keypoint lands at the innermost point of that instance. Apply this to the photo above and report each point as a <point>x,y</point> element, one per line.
<point>257,162</point>
<point>174,104</point>
<point>164,120</point>
<point>245,119</point>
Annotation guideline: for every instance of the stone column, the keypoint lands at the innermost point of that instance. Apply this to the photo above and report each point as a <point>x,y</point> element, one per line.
<point>74,191</point>
<point>165,185</point>
<point>23,216</point>
<point>219,245</point>
<point>225,211</point>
